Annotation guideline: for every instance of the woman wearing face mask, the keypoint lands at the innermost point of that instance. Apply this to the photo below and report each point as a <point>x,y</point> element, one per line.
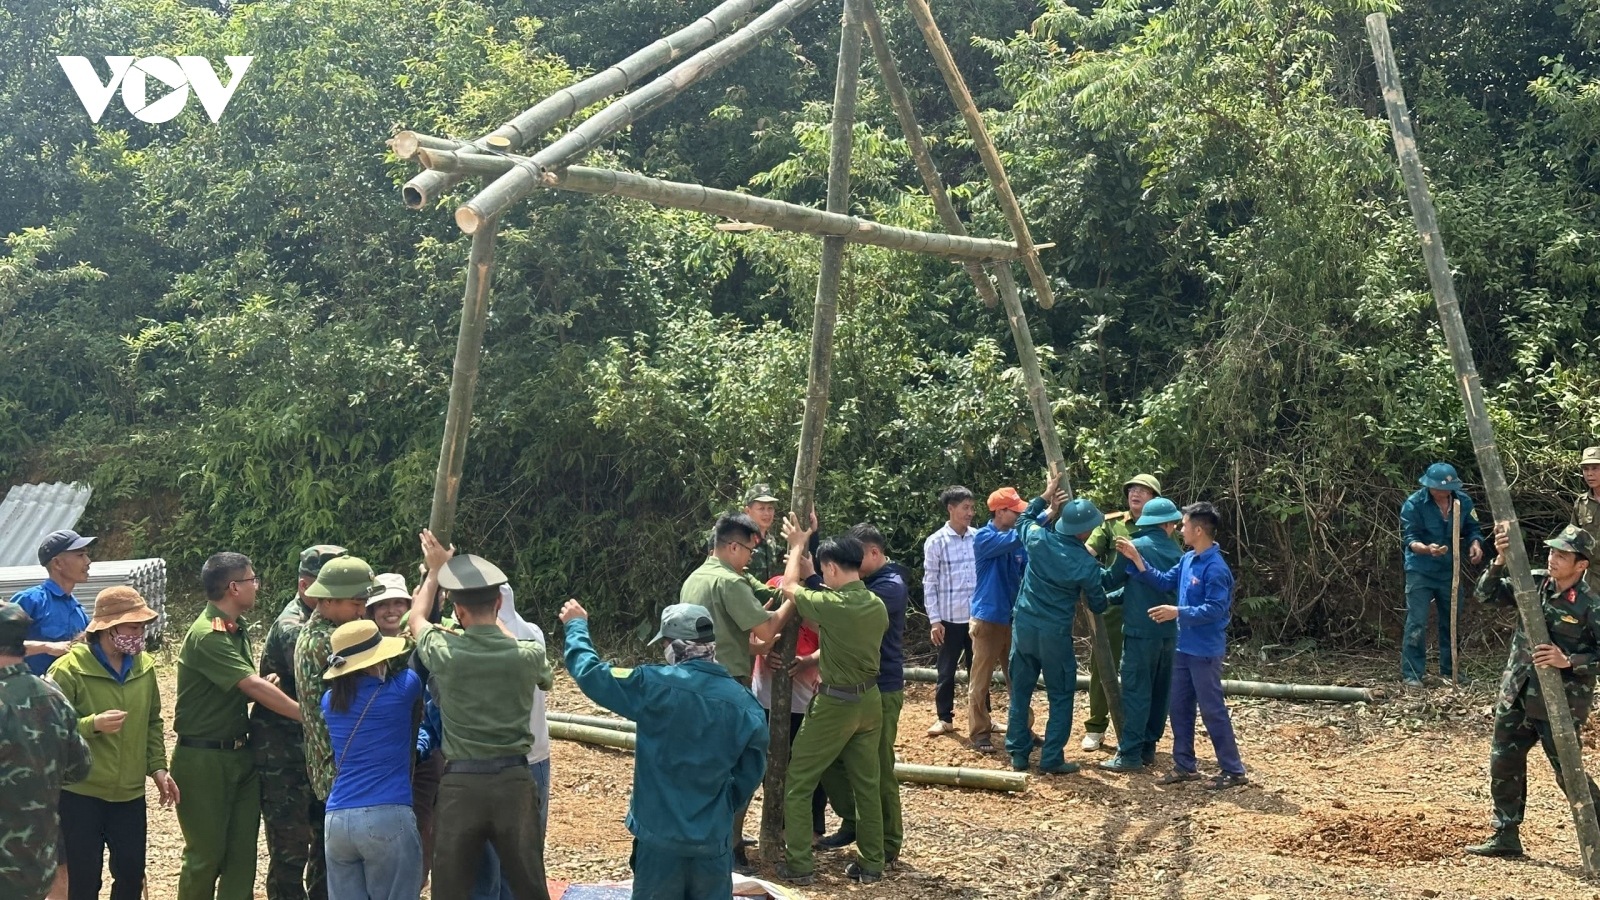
<point>374,850</point>
<point>111,682</point>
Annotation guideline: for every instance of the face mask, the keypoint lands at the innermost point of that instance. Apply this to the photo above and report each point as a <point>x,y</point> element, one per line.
<point>128,644</point>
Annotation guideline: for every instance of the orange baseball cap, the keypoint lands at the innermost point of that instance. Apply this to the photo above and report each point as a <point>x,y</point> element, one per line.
<point>1007,498</point>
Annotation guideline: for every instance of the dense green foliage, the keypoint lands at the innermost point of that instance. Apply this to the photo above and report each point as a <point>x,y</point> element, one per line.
<point>242,339</point>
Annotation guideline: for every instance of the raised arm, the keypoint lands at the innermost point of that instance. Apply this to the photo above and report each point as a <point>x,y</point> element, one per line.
<point>434,555</point>
<point>595,677</point>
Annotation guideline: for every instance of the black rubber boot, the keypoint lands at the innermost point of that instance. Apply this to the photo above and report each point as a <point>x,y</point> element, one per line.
<point>1505,842</point>
<point>838,839</point>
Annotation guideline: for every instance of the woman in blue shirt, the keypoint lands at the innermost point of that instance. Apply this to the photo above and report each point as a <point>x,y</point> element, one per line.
<point>373,847</point>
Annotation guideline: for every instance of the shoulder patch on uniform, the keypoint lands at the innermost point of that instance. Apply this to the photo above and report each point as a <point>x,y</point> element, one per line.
<point>619,672</point>
<point>1116,516</point>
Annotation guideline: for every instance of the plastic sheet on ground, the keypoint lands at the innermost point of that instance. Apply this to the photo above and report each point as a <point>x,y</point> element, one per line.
<point>622,890</point>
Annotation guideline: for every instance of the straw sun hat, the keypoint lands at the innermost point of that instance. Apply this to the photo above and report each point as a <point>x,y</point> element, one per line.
<point>357,645</point>
<point>119,605</point>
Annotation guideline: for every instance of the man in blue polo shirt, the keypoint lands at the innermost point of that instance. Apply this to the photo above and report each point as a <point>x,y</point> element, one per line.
<point>58,617</point>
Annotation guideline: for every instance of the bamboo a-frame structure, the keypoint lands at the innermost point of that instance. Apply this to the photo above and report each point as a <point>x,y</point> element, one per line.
<point>510,175</point>
<point>1568,750</point>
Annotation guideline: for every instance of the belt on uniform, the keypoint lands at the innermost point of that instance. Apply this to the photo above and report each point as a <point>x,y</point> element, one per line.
<point>198,744</point>
<point>849,693</point>
<point>483,766</point>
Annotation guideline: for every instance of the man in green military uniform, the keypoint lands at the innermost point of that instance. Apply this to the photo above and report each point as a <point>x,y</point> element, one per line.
<point>1139,490</point>
<point>212,763</point>
<point>484,682</point>
<point>40,750</point>
<point>1586,509</point>
<point>846,715</point>
<point>292,814</point>
<point>1572,613</point>
<point>340,591</point>
<point>762,508</point>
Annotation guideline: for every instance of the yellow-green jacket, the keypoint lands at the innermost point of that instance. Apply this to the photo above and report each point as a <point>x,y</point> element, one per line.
<point>123,760</point>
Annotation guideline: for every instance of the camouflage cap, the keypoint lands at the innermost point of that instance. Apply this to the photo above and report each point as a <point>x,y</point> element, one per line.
<point>467,572</point>
<point>1143,480</point>
<point>1591,457</point>
<point>1573,540</point>
<point>313,558</point>
<point>14,625</point>
<point>759,493</point>
<point>344,577</point>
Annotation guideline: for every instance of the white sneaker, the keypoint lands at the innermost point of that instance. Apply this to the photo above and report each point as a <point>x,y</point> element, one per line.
<point>1093,740</point>
<point>939,727</point>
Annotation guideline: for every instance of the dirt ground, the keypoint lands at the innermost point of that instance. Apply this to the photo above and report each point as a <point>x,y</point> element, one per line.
<point>1347,800</point>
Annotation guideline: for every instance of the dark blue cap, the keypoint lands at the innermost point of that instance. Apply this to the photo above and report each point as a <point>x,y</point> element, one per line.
<point>58,542</point>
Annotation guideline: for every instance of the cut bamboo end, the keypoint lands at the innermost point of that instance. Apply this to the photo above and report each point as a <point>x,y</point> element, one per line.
<point>405,144</point>
<point>468,219</point>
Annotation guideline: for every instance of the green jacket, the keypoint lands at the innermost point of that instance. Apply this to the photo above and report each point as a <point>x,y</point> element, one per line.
<point>123,760</point>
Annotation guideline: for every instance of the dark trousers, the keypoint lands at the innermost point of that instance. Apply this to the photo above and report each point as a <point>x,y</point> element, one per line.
<point>90,826</point>
<point>474,811</point>
<point>1514,735</point>
<point>1146,694</point>
<point>661,874</point>
<point>957,643</point>
<point>1422,596</point>
<point>1197,681</point>
<point>292,816</point>
<point>425,777</point>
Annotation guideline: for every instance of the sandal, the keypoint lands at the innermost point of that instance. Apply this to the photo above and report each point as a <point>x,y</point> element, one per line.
<point>1177,776</point>
<point>1225,780</point>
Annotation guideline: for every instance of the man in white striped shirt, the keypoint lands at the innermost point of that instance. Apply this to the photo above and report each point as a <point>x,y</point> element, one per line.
<point>949,576</point>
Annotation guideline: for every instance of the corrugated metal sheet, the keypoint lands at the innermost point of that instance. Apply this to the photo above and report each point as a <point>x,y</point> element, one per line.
<point>31,511</point>
<point>147,576</point>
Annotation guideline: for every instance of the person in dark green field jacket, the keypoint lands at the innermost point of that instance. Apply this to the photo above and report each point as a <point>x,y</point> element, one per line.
<point>701,752</point>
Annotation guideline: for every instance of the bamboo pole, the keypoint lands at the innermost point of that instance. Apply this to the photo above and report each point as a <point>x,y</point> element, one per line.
<point>1568,750</point>
<point>1265,690</point>
<point>986,150</point>
<point>426,187</point>
<point>520,182</point>
<point>592,721</point>
<point>612,733</point>
<point>463,381</point>
<point>1455,588</point>
<point>907,114</point>
<point>819,378</point>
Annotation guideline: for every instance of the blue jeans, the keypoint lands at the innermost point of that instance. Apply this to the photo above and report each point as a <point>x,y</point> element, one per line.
<point>1197,680</point>
<point>374,853</point>
<point>1036,651</point>
<point>1422,596</point>
<point>660,874</point>
<point>490,885</point>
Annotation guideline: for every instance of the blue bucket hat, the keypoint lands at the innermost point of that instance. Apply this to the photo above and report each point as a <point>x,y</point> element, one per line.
<point>1078,516</point>
<point>1159,511</point>
<point>1441,477</point>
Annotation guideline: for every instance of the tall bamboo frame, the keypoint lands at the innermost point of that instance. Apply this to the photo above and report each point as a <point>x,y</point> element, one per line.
<point>509,176</point>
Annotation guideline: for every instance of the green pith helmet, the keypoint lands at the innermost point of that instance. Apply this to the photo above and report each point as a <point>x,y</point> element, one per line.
<point>344,577</point>
<point>1159,511</point>
<point>1079,516</point>
<point>1143,480</point>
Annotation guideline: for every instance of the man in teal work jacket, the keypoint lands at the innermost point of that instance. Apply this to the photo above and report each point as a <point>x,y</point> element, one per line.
<point>1425,526</point>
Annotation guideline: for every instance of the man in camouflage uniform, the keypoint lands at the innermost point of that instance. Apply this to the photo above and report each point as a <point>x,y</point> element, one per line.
<point>341,591</point>
<point>40,750</point>
<point>767,560</point>
<point>1572,614</point>
<point>1586,509</point>
<point>296,867</point>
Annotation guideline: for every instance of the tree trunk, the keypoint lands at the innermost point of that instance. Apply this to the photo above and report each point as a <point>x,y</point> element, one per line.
<point>1529,605</point>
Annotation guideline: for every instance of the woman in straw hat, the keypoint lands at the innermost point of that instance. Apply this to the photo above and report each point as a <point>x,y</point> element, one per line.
<point>374,850</point>
<point>111,682</point>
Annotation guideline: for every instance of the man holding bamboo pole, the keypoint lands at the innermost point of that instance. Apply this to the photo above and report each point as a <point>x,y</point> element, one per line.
<point>1426,526</point>
<point>1586,508</point>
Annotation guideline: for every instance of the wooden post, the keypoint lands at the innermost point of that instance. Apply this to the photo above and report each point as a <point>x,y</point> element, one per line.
<point>985,146</point>
<point>907,114</point>
<point>1483,444</point>
<point>1455,589</point>
<point>1044,420</point>
<point>819,376</point>
<point>463,381</point>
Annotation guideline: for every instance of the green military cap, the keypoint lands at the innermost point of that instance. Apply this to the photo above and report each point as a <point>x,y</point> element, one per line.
<point>1143,480</point>
<point>467,572</point>
<point>759,493</point>
<point>1591,457</point>
<point>1573,540</point>
<point>344,577</point>
<point>313,558</point>
<point>685,622</point>
<point>14,625</point>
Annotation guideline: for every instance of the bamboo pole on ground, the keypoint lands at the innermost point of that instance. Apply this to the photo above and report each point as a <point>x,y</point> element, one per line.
<point>463,381</point>
<point>426,187</point>
<point>1568,749</point>
<point>907,114</point>
<point>985,147</point>
<point>612,733</point>
<point>1266,690</point>
<point>818,380</point>
<point>520,182</point>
